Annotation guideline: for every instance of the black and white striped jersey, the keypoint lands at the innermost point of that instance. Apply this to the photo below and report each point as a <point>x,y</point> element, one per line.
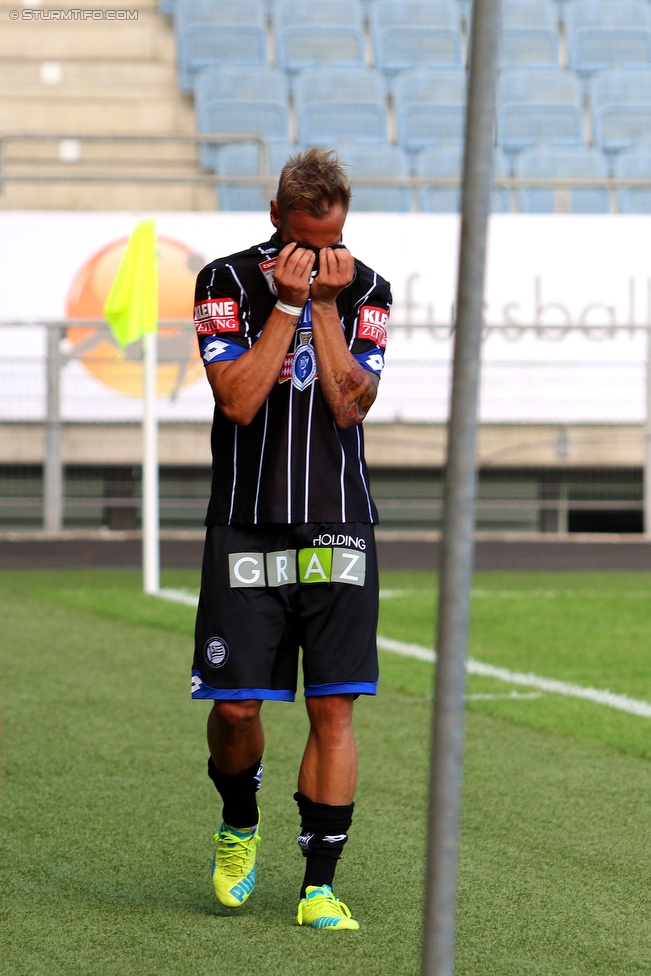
<point>291,463</point>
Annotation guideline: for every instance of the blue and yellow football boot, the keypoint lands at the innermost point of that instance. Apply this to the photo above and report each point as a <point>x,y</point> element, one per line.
<point>321,910</point>
<point>233,868</point>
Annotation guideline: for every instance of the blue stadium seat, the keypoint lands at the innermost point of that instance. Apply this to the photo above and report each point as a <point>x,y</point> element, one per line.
<point>415,33</point>
<point>448,161</point>
<point>621,106</point>
<point>549,161</point>
<point>327,32</point>
<point>166,7</point>
<point>378,160</point>
<point>539,105</point>
<point>430,107</point>
<point>210,32</point>
<point>241,100</point>
<point>243,159</point>
<point>529,33</point>
<point>637,166</point>
<point>340,103</point>
<point>608,34</point>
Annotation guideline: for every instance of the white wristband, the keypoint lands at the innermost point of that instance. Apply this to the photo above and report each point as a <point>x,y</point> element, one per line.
<point>294,310</point>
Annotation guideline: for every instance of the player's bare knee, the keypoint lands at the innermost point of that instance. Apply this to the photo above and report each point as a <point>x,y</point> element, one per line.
<point>331,715</point>
<point>237,715</point>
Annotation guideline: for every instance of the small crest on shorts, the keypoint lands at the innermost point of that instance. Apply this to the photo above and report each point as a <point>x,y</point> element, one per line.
<point>216,652</point>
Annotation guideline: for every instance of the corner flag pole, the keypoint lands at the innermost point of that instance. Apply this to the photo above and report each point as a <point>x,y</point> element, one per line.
<point>150,488</point>
<point>459,500</point>
<point>131,309</point>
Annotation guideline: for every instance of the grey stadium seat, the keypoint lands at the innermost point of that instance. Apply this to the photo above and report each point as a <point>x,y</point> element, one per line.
<point>448,161</point>
<point>340,103</point>
<point>634,165</point>
<point>241,100</point>
<point>529,33</point>
<point>621,106</point>
<point>378,160</point>
<point>415,33</point>
<point>211,32</point>
<point>243,159</point>
<point>605,34</point>
<point>549,161</point>
<point>430,107</point>
<point>539,105</point>
<point>327,32</point>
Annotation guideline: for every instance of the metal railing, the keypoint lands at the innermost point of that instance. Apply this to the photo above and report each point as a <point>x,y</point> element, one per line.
<point>83,169</point>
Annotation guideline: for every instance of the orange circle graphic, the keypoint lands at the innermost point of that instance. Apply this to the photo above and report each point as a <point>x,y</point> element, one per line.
<point>179,363</point>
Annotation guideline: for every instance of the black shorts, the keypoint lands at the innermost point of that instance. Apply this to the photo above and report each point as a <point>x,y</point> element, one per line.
<point>267,590</point>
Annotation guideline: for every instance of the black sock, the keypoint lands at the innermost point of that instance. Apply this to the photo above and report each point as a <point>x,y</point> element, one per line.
<point>238,793</point>
<point>324,831</point>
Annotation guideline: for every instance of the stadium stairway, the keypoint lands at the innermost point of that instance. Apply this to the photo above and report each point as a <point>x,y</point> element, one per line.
<point>82,78</point>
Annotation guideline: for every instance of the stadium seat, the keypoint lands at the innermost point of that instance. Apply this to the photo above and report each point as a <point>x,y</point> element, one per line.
<point>310,34</point>
<point>243,159</point>
<point>241,100</point>
<point>548,161</point>
<point>340,103</point>
<point>529,33</point>
<point>605,34</point>
<point>430,107</point>
<point>414,33</point>
<point>378,160</point>
<point>448,161</point>
<point>621,106</point>
<point>637,166</point>
<point>166,7</point>
<point>210,32</point>
<point>539,105</point>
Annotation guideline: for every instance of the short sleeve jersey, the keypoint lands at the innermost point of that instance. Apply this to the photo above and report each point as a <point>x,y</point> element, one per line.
<point>291,463</point>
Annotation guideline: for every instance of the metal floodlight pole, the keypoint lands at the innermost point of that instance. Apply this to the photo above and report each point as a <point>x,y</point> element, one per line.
<point>459,500</point>
<point>53,458</point>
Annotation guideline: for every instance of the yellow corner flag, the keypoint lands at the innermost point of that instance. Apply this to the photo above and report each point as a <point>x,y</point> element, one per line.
<point>131,308</point>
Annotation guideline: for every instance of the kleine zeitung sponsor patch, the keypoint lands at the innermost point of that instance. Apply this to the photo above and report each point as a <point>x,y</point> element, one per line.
<point>373,324</point>
<point>216,315</point>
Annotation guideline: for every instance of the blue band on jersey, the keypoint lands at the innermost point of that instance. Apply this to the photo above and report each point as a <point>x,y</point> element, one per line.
<point>373,360</point>
<point>214,349</point>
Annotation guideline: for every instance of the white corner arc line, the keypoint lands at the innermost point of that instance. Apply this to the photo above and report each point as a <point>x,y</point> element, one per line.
<point>620,702</point>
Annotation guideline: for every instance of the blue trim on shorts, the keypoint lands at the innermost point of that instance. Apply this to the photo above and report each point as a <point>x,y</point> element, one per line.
<point>341,688</point>
<point>205,691</point>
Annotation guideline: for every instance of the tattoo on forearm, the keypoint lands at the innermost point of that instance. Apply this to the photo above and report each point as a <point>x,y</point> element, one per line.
<point>351,393</point>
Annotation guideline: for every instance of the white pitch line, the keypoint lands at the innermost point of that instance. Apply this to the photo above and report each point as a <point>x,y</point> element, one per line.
<point>620,702</point>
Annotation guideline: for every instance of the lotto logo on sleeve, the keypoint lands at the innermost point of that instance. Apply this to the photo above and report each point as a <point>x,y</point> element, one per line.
<point>216,315</point>
<point>332,566</point>
<point>373,324</point>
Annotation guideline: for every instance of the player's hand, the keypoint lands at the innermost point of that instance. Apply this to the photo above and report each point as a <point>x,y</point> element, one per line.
<point>292,274</point>
<point>336,271</point>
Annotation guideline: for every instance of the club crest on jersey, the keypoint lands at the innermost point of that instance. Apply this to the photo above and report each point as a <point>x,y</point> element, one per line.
<point>373,324</point>
<point>216,315</point>
<point>303,361</point>
<point>267,269</point>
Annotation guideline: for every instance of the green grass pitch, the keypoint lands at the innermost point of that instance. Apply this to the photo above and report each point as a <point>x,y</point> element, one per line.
<point>107,815</point>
